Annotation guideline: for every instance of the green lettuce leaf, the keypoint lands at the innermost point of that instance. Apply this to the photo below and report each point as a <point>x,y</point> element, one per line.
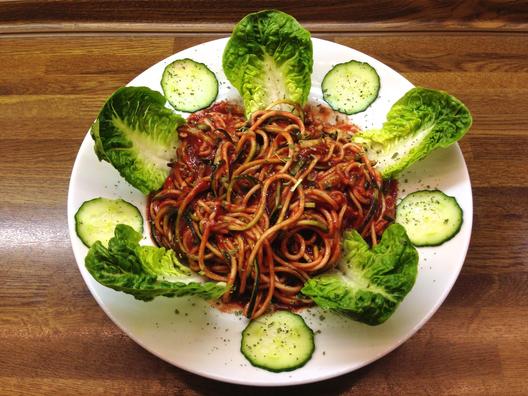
<point>137,134</point>
<point>269,57</point>
<point>145,271</point>
<point>98,146</point>
<point>369,283</point>
<point>418,123</point>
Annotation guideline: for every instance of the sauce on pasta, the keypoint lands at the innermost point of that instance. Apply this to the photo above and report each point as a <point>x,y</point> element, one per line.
<point>261,204</point>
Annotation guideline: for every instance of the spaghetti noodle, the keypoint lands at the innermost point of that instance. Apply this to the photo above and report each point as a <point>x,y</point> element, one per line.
<point>261,204</point>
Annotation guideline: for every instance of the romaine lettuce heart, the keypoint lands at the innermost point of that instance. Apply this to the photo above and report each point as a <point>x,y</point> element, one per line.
<point>145,271</point>
<point>137,134</point>
<point>418,123</point>
<point>369,283</point>
<point>269,57</point>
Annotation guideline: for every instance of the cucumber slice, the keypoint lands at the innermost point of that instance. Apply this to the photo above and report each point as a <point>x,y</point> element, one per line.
<point>351,87</point>
<point>280,341</point>
<point>430,217</point>
<point>96,219</point>
<point>188,85</point>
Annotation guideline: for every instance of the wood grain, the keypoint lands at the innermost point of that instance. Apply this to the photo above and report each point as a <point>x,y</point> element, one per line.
<point>54,339</point>
<point>188,16</point>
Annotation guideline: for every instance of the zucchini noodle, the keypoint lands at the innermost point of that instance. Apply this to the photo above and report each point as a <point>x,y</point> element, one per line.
<point>261,204</point>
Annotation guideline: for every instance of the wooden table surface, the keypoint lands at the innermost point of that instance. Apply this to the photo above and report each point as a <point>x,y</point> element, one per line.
<point>58,63</point>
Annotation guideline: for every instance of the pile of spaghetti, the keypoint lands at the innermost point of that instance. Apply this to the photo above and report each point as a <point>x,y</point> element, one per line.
<point>261,204</point>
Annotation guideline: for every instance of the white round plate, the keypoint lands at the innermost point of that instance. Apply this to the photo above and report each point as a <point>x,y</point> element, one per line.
<point>196,337</point>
